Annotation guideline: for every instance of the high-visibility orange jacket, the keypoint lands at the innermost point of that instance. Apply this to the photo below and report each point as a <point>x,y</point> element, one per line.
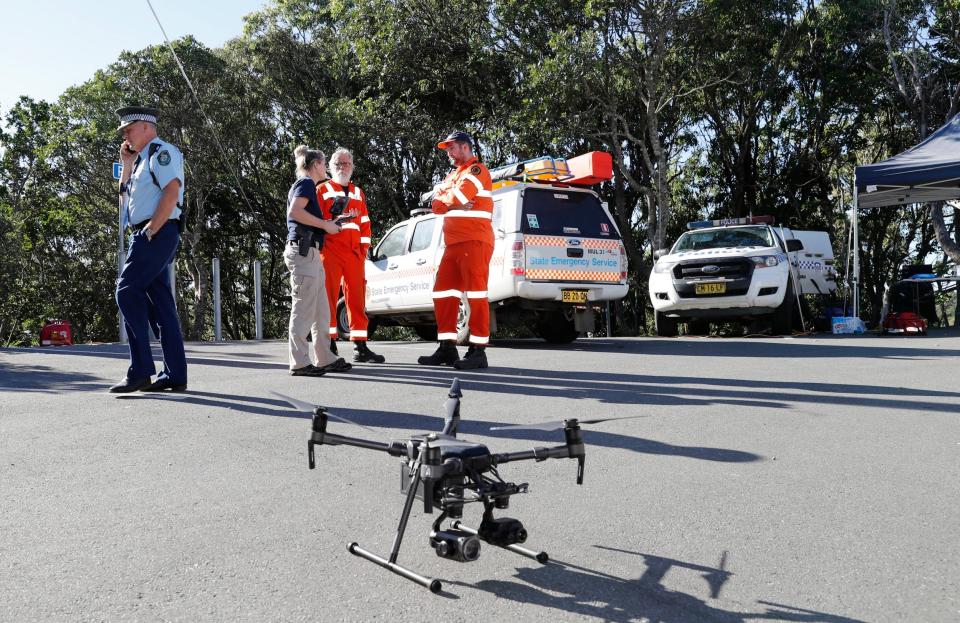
<point>468,182</point>
<point>354,238</point>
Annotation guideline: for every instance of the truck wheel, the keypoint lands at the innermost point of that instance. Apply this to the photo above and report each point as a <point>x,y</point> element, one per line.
<point>426,332</point>
<point>783,316</point>
<point>555,327</point>
<point>698,327</point>
<point>463,322</point>
<point>343,321</point>
<point>665,327</point>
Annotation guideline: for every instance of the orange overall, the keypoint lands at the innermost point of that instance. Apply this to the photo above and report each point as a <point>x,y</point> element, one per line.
<point>465,266</point>
<point>344,255</point>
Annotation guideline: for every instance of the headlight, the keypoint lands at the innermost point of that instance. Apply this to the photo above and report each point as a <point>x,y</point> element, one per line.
<point>663,267</point>
<point>765,261</point>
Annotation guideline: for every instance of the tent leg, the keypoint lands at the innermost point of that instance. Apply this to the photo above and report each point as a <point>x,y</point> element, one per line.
<point>856,251</point>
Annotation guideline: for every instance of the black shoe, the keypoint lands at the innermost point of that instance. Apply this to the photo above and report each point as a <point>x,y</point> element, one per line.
<point>333,346</point>
<point>340,365</point>
<point>445,355</point>
<point>130,385</point>
<point>475,358</point>
<point>308,370</point>
<point>163,384</point>
<point>364,355</point>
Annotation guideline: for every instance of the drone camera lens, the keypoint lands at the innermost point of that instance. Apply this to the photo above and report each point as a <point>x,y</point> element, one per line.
<point>456,545</point>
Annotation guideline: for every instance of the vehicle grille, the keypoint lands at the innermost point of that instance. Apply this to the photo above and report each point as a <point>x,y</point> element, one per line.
<point>736,268</point>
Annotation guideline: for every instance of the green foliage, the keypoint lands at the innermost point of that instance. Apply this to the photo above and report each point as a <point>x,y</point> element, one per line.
<point>710,107</point>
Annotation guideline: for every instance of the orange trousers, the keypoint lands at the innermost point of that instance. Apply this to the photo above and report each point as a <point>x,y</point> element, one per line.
<point>347,270</point>
<point>464,269</point>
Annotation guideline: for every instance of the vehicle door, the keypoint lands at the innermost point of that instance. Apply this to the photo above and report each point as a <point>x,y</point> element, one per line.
<point>418,266</point>
<point>384,287</point>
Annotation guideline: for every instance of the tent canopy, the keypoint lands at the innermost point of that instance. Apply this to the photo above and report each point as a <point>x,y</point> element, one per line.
<point>929,171</point>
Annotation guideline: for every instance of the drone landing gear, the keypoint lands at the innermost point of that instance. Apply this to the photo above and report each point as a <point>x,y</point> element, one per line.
<point>541,557</point>
<point>434,585</point>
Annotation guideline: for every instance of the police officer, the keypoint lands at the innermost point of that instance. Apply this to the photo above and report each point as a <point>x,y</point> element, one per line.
<point>152,183</point>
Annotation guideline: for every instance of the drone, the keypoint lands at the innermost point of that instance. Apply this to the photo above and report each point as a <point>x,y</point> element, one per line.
<point>447,473</point>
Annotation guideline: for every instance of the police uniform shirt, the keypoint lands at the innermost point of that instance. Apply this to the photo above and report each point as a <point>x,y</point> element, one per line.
<point>167,165</point>
<point>304,187</point>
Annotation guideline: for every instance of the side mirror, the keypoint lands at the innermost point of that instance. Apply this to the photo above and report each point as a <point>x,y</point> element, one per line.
<point>660,253</point>
<point>794,245</point>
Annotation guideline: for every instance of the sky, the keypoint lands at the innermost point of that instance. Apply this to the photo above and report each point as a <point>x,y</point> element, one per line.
<point>48,46</point>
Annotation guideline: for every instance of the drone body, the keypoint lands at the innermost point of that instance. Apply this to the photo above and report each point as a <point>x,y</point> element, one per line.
<point>447,473</point>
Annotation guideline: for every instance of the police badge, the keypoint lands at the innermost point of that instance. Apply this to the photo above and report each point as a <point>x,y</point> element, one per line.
<point>164,157</point>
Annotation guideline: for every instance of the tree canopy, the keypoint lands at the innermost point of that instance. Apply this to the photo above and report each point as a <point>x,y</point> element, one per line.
<point>710,108</point>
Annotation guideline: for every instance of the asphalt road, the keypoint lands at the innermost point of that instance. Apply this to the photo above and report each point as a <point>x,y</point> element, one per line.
<point>806,479</point>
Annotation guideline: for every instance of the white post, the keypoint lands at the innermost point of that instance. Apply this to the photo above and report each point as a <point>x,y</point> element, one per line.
<point>856,250</point>
<point>217,334</point>
<point>258,301</point>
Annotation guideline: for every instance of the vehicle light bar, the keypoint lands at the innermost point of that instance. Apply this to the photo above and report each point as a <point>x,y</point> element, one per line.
<point>724,222</point>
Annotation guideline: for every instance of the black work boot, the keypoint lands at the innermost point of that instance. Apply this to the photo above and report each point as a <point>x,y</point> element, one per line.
<point>363,354</point>
<point>333,346</point>
<point>445,355</point>
<point>475,358</point>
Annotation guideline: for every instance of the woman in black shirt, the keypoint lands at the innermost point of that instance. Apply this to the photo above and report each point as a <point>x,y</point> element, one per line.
<point>306,228</point>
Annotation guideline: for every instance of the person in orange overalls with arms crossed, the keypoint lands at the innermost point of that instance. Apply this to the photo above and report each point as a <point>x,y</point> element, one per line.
<point>465,198</point>
<point>344,254</point>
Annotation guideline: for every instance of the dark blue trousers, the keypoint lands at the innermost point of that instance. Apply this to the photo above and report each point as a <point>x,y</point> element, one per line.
<point>144,295</point>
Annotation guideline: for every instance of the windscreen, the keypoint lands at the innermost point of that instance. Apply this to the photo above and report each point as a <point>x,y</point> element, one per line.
<point>730,237</point>
<point>562,212</point>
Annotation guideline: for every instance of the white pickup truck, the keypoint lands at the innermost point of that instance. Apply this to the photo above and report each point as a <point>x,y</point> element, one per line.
<point>557,255</point>
<point>738,270</point>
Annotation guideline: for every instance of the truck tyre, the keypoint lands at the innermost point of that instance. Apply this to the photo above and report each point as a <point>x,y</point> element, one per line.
<point>782,319</point>
<point>555,327</point>
<point>665,327</point>
<point>343,322</point>
<point>426,332</point>
<point>463,322</point>
<point>698,327</point>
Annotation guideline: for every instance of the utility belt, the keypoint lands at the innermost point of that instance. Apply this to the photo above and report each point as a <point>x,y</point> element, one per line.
<point>307,243</point>
<point>305,239</point>
<point>135,227</point>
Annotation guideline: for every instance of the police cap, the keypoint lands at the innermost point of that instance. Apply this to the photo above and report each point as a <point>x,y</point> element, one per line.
<point>455,137</point>
<point>131,114</point>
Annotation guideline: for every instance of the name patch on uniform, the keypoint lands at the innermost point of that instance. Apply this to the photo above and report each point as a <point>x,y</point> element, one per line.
<point>164,157</point>
<point>475,170</point>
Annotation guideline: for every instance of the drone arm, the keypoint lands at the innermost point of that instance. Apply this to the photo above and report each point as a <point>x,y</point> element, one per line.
<point>537,454</point>
<point>321,437</point>
<point>573,449</point>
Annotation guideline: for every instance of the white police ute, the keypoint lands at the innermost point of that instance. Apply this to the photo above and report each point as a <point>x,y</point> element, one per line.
<point>738,270</point>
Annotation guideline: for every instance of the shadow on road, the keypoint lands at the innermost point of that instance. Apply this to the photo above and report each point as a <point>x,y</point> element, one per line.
<point>426,423</point>
<point>826,347</point>
<point>570,588</point>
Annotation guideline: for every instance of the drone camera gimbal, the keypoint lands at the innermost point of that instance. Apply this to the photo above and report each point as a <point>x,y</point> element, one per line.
<point>447,473</point>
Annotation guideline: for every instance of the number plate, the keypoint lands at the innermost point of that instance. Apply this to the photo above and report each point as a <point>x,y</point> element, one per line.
<point>573,296</point>
<point>711,288</point>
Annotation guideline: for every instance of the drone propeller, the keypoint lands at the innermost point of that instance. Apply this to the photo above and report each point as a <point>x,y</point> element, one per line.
<point>561,424</point>
<point>306,406</point>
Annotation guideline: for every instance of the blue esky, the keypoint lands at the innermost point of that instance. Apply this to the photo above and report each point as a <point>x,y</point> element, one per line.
<point>48,46</point>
